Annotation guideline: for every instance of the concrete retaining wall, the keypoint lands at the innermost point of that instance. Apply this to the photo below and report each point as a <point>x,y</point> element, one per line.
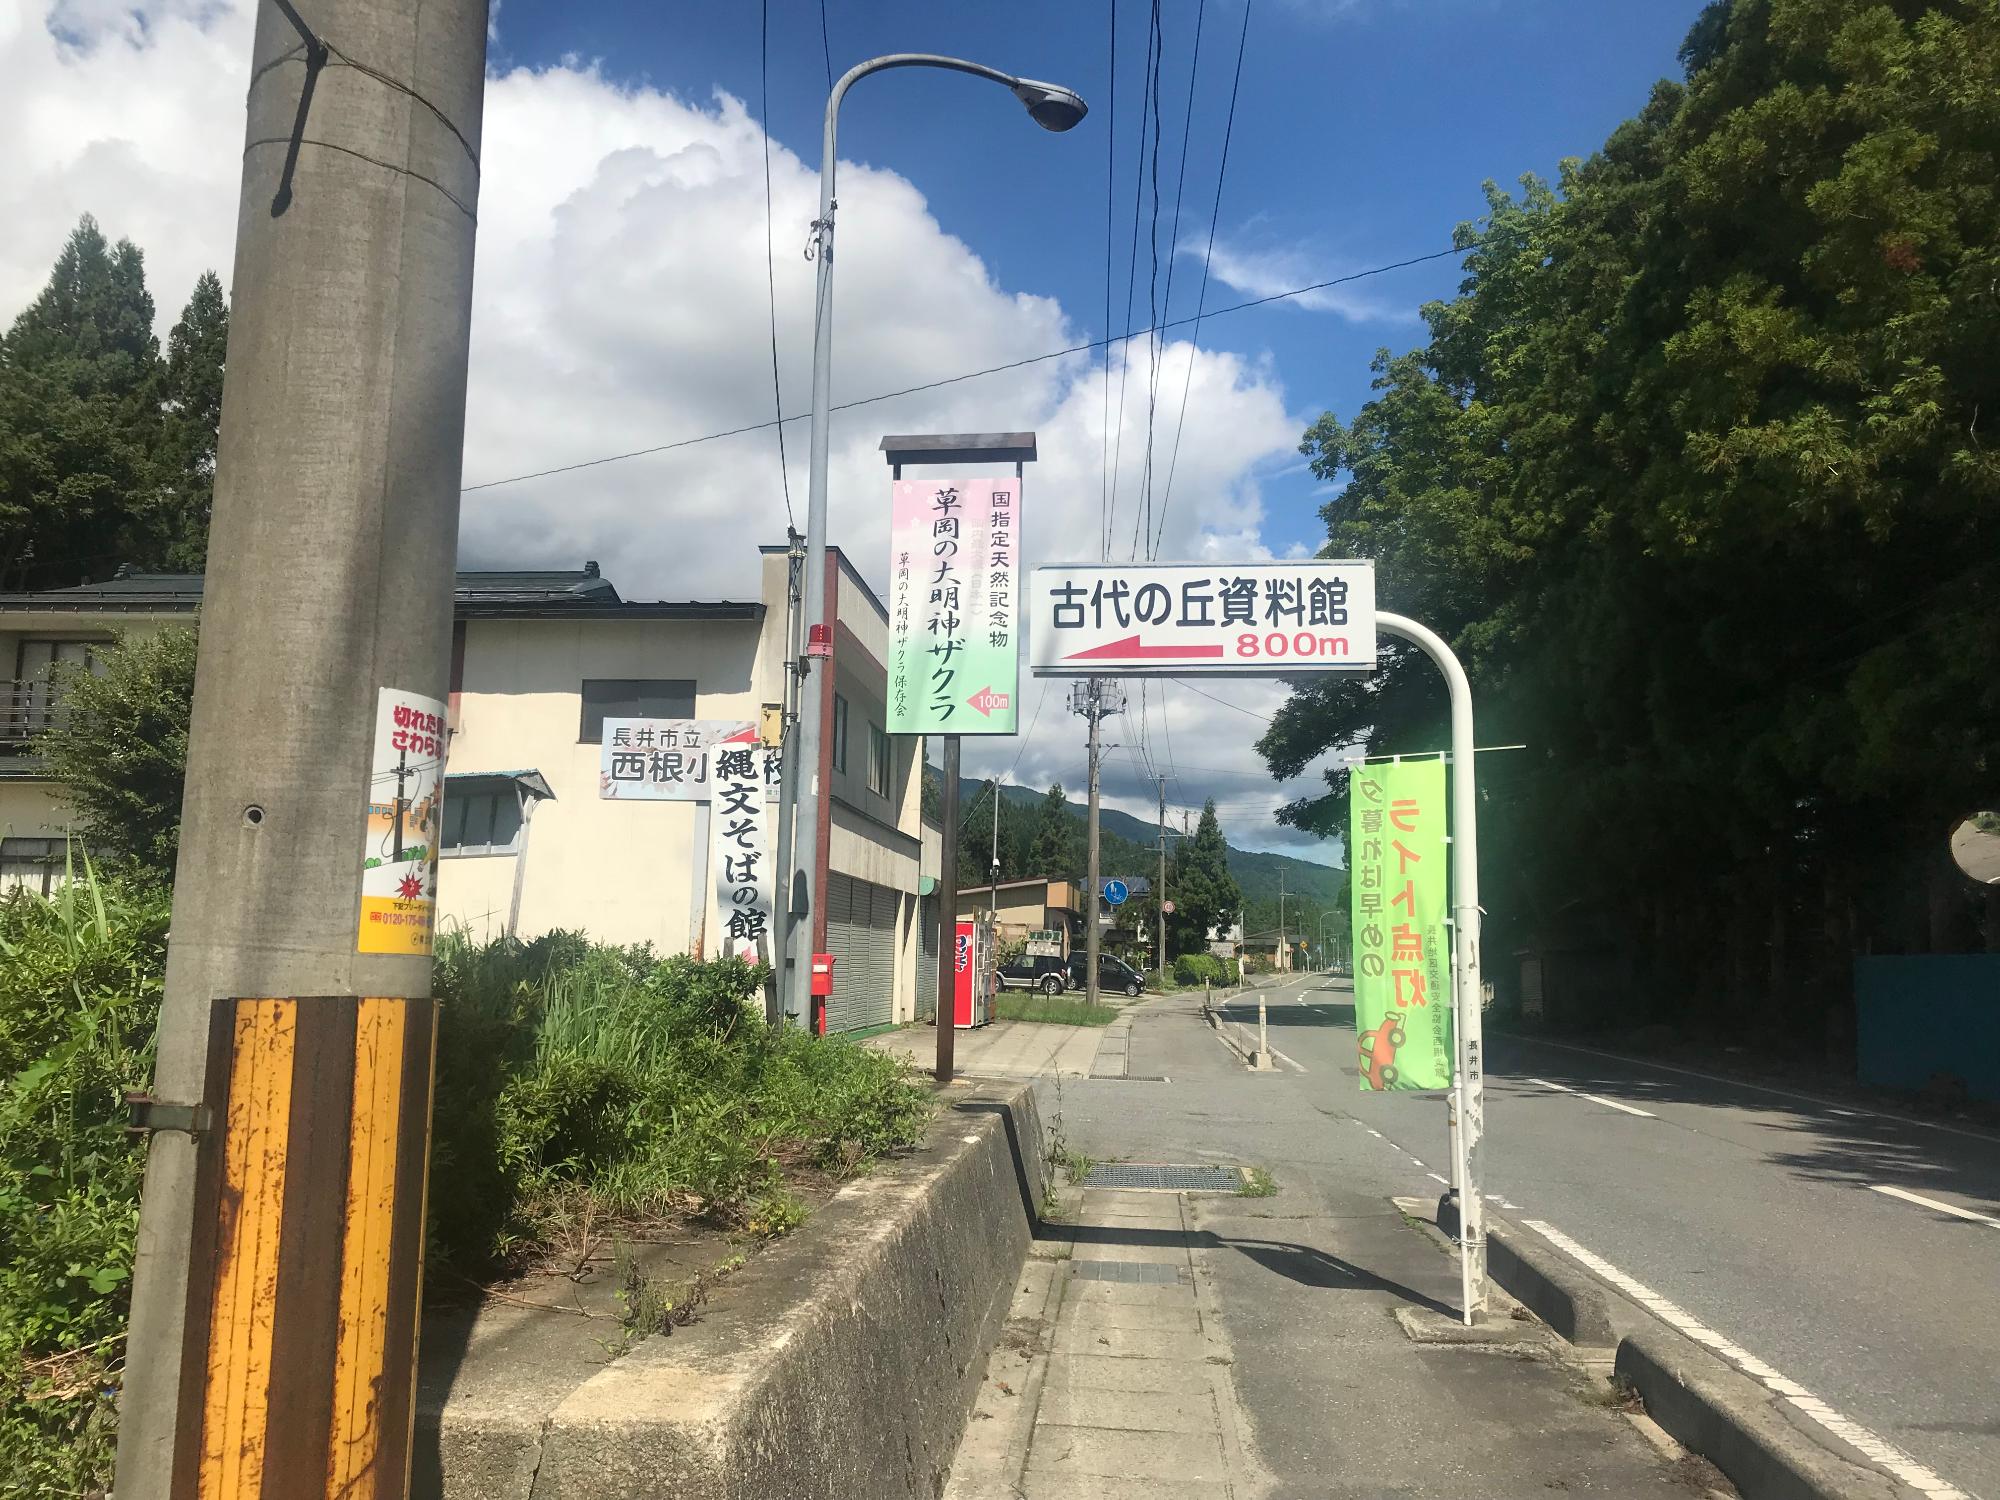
<point>841,1364</point>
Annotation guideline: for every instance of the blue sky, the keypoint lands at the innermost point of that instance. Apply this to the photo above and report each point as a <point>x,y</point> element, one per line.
<point>621,299</point>
<point>1363,133</point>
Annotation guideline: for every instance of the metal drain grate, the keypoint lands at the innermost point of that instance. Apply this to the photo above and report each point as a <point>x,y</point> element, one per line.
<point>1171,1179</point>
<point>1114,1270</point>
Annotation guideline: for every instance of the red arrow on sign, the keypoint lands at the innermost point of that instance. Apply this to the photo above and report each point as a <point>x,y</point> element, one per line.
<point>986,701</point>
<point>1131,649</point>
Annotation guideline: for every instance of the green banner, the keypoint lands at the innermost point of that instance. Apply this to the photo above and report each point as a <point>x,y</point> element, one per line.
<point>1402,958</point>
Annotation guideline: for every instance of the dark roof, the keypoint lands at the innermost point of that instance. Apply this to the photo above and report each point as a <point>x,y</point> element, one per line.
<point>1135,885</point>
<point>960,448</point>
<point>499,594</point>
<point>529,587</point>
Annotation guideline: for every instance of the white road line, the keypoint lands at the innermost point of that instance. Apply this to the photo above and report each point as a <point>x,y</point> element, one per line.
<point>1435,1178</point>
<point>1595,1098</point>
<point>1764,1088</point>
<point>1890,1458</point>
<point>1939,1205</point>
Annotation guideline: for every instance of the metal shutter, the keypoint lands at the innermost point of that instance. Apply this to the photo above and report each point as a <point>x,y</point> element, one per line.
<point>861,936</point>
<point>927,959</point>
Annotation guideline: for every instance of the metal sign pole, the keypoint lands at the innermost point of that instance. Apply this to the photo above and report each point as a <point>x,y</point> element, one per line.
<point>1469,1088</point>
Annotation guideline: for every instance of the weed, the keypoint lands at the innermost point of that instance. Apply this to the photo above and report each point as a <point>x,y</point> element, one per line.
<point>578,1086</point>
<point>1258,1184</point>
<point>1053,1010</point>
<point>1076,1166</point>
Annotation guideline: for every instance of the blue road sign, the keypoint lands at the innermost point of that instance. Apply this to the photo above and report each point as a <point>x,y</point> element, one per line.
<point>1115,892</point>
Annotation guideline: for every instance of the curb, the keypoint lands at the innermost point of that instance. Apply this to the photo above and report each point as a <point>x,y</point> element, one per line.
<point>1703,1403</point>
<point>1737,1425</point>
<point>1569,1300</point>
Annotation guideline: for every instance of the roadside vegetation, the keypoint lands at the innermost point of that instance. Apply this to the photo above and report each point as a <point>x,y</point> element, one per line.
<point>583,1093</point>
<point>1055,1010</point>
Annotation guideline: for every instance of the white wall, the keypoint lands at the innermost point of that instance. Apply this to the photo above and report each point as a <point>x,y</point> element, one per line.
<point>32,810</point>
<point>621,871</point>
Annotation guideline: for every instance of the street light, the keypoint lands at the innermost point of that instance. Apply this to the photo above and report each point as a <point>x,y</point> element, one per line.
<point>1053,108</point>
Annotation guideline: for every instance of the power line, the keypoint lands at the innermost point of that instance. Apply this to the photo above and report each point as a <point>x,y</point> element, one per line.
<point>1207,256</point>
<point>1110,183</point>
<point>1147,101</point>
<point>1145,509</point>
<point>1223,701</point>
<point>770,262</point>
<point>1022,750</point>
<point>825,46</point>
<point>1173,245</point>
<point>932,385</point>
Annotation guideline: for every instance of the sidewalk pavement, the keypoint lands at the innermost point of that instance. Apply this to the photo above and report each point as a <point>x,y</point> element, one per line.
<point>1112,1380</point>
<point>1018,1050</point>
<point>1297,1346</point>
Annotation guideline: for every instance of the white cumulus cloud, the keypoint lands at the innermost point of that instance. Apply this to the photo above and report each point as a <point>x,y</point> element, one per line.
<point>620,303</point>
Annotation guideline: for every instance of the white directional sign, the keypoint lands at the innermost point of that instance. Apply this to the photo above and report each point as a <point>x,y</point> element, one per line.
<point>1188,619</point>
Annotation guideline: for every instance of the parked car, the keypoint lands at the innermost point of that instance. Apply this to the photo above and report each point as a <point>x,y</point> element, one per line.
<point>1113,974</point>
<point>1044,972</point>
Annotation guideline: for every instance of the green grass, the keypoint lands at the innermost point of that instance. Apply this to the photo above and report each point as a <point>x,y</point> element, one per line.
<point>1055,1010</point>
<point>1259,1184</point>
<point>583,1093</point>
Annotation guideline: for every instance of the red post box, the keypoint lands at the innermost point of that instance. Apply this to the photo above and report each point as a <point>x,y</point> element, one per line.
<point>822,990</point>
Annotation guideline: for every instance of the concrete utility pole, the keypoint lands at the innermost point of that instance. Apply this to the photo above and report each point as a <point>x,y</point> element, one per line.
<point>1284,953</point>
<point>272,1341</point>
<point>1094,698</point>
<point>782,996</point>
<point>1093,940</point>
<point>1160,900</point>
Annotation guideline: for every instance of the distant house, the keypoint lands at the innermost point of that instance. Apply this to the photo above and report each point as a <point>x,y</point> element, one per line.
<point>539,660</point>
<point>1225,942</point>
<point>1264,948</point>
<point>1021,907</point>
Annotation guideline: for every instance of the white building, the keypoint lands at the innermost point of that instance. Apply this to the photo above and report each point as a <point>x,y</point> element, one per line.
<point>539,661</point>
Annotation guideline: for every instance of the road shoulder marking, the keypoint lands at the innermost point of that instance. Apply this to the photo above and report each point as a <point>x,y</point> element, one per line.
<point>1831,1106</point>
<point>1563,1088</point>
<point>1936,1203</point>
<point>1879,1450</point>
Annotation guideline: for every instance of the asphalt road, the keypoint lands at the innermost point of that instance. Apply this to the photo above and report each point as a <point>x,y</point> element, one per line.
<point>1856,1253</point>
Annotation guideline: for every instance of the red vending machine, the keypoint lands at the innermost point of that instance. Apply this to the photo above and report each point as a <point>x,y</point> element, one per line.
<point>972,974</point>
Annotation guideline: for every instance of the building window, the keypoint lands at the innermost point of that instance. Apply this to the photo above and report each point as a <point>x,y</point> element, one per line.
<point>32,695</point>
<point>878,761</point>
<point>632,698</point>
<point>839,733</point>
<point>481,821</point>
<point>30,865</point>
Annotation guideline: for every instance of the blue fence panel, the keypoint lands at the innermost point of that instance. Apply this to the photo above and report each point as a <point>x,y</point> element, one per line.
<point>1923,1014</point>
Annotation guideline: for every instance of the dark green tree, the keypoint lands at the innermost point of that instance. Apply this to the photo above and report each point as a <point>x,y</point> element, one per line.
<point>1057,846</point>
<point>117,744</point>
<point>1203,891</point>
<point>192,420</point>
<point>1695,474</point>
<point>79,416</point>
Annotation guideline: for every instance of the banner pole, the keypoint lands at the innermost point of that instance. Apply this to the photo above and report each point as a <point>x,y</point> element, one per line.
<point>1469,1086</point>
